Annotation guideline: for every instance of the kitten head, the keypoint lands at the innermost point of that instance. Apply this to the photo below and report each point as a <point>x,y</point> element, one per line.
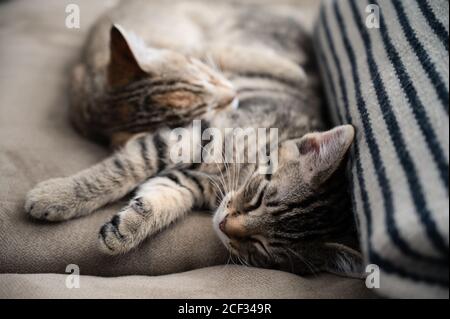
<point>171,89</point>
<point>299,219</point>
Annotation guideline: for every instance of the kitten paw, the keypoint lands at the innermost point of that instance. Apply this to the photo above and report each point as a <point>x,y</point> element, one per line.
<point>113,239</point>
<point>127,228</point>
<point>52,200</point>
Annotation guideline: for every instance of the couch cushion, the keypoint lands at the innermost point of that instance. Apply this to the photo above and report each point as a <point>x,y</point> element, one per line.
<point>391,83</point>
<point>226,281</point>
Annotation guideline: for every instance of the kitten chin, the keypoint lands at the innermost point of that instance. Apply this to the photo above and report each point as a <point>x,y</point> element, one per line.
<point>219,216</point>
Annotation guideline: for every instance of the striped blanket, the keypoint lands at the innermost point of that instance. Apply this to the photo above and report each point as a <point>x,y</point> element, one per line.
<point>385,66</point>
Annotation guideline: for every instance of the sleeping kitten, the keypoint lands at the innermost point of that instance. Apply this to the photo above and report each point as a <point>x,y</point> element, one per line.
<point>297,219</point>
<point>138,88</point>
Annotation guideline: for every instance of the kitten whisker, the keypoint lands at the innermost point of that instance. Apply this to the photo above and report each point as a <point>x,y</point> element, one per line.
<point>314,270</point>
<point>242,261</point>
<point>221,178</point>
<point>213,183</point>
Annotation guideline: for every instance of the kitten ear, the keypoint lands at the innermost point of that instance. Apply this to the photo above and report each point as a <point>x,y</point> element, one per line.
<point>123,65</point>
<point>344,261</point>
<point>322,153</point>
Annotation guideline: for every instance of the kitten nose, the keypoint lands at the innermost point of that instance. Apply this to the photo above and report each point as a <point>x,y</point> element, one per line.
<point>222,225</point>
<point>233,227</point>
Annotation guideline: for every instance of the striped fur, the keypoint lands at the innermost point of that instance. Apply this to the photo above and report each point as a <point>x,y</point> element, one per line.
<point>297,219</point>
<point>392,85</point>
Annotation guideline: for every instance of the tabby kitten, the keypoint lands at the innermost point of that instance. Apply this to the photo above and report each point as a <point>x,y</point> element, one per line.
<point>297,219</point>
<point>139,88</point>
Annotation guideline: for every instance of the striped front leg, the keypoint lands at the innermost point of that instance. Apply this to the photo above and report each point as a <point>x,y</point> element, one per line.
<point>157,203</point>
<point>80,194</point>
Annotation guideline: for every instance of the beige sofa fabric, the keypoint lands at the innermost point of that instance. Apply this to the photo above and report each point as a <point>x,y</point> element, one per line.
<point>36,143</point>
<point>215,282</point>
